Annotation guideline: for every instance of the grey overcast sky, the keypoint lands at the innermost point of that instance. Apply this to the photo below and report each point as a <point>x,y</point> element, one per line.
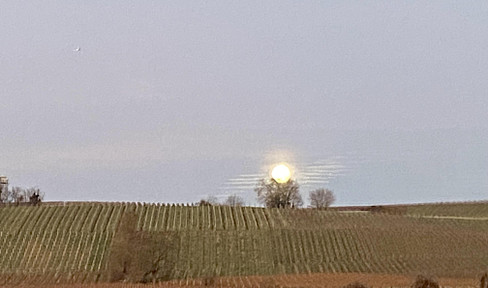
<point>382,101</point>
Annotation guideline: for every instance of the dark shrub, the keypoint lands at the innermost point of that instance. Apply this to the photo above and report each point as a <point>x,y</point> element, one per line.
<point>484,281</point>
<point>209,281</point>
<point>355,285</point>
<point>425,282</point>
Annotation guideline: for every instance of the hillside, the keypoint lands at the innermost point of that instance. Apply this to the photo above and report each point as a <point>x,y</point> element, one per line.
<point>72,243</point>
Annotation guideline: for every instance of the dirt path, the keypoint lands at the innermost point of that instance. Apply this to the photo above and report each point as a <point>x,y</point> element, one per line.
<point>314,280</point>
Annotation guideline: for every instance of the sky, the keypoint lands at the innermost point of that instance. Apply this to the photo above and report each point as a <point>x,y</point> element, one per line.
<point>159,101</point>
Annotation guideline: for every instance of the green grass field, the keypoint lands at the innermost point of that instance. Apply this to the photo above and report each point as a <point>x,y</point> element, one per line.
<point>72,243</point>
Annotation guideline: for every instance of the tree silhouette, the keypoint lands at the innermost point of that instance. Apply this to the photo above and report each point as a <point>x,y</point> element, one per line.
<point>321,198</point>
<point>278,195</point>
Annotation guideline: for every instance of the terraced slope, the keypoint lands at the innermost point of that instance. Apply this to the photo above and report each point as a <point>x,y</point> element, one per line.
<point>72,243</point>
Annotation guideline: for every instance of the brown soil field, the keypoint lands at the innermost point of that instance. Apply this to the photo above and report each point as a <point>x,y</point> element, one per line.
<point>284,281</point>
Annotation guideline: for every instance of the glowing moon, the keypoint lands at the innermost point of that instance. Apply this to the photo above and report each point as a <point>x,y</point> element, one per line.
<point>281,173</point>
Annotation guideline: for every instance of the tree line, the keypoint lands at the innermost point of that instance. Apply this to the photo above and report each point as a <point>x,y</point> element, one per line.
<point>18,195</point>
<point>273,194</point>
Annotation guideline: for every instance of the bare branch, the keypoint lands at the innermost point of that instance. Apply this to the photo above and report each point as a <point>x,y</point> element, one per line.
<point>321,198</point>
<point>278,195</point>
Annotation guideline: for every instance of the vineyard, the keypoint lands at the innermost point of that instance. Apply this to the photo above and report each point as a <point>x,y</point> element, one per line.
<point>468,209</point>
<point>72,243</point>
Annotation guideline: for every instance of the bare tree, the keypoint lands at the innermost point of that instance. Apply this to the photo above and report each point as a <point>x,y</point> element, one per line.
<point>321,198</point>
<point>234,200</point>
<point>209,201</point>
<point>18,195</point>
<point>4,194</point>
<point>157,257</point>
<point>140,256</point>
<point>278,195</point>
<point>22,195</point>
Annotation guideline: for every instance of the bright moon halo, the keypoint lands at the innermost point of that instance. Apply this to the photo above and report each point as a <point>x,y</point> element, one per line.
<point>281,173</point>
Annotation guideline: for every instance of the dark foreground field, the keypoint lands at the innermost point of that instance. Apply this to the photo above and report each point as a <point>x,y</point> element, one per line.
<point>275,281</point>
<point>244,246</point>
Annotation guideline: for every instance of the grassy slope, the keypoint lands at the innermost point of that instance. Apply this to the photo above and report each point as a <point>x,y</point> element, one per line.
<point>72,242</point>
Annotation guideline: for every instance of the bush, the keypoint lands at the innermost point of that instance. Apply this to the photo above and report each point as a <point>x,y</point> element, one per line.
<point>139,256</point>
<point>356,285</point>
<point>484,281</point>
<point>209,281</point>
<point>425,282</point>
